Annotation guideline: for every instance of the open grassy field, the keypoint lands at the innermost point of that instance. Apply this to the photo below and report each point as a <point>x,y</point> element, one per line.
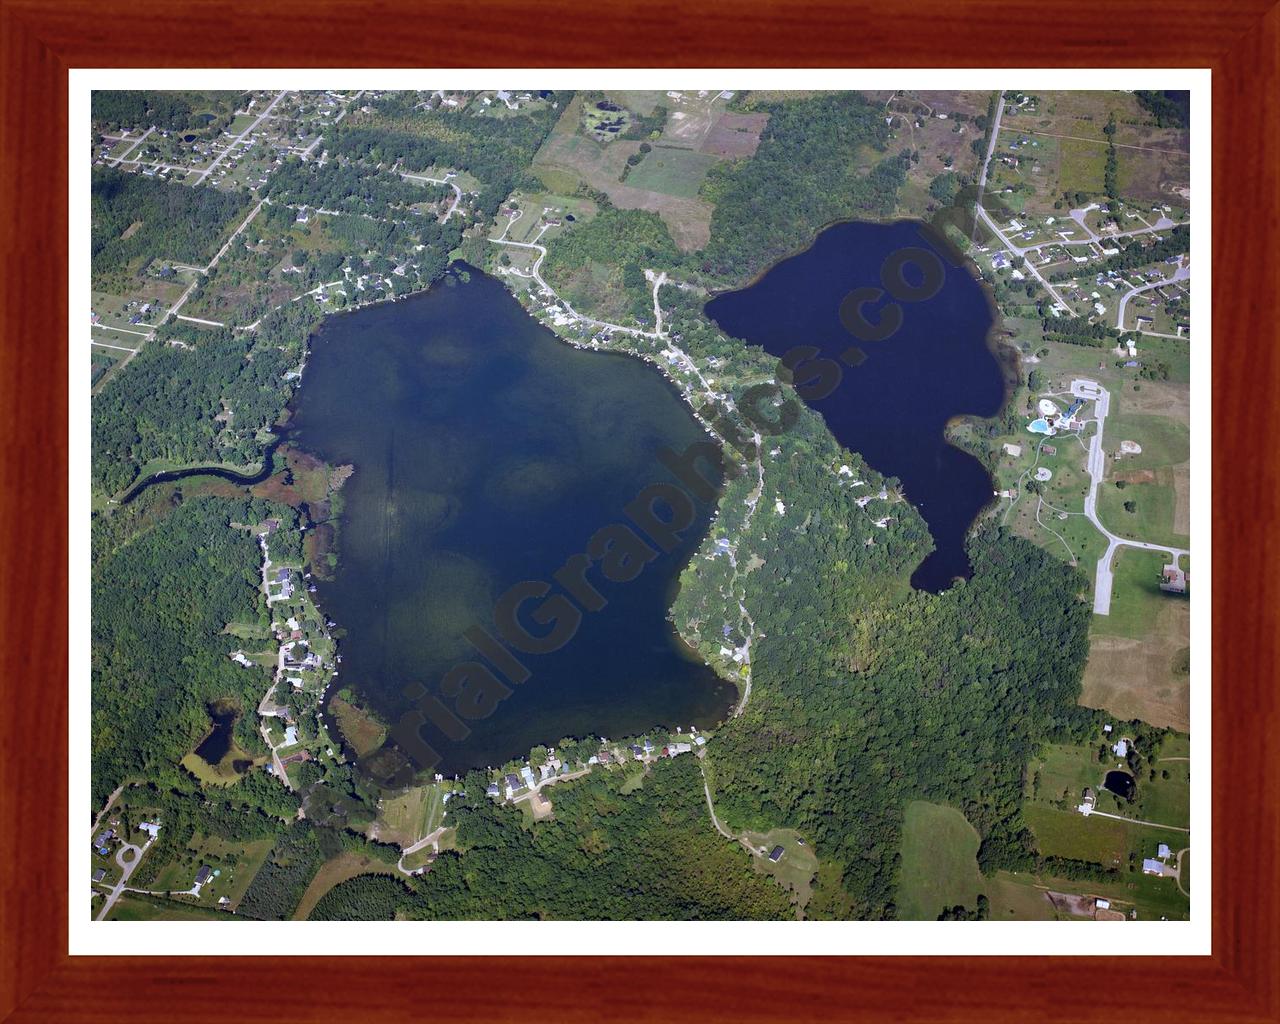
<point>674,172</point>
<point>1018,897</point>
<point>1113,844</point>
<point>407,817</point>
<point>1153,497</point>
<point>138,907</point>
<point>1147,677</point>
<point>939,865</point>
<point>568,157</point>
<point>1137,600</point>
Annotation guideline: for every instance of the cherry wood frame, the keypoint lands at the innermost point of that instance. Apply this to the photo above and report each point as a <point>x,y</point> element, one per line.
<point>41,39</point>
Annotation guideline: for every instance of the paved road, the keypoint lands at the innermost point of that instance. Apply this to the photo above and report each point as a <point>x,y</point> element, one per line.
<point>537,277</point>
<point>136,143</point>
<point>427,840</point>
<point>126,870</point>
<point>995,134</point>
<point>1137,821</point>
<point>1181,274</point>
<point>457,192</point>
<point>241,137</point>
<point>1096,466</point>
<point>1028,264</point>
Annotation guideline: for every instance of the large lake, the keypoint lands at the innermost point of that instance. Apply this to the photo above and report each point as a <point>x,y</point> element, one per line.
<point>894,406</point>
<point>486,453</point>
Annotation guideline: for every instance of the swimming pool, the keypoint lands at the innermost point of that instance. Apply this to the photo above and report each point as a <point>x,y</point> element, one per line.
<point>1040,426</point>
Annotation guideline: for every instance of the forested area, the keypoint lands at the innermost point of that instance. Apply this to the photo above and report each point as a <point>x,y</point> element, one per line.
<point>161,602</point>
<point>648,854</point>
<point>861,703</point>
<point>113,109</point>
<point>161,218</point>
<point>280,882</point>
<point>497,150</point>
<point>1172,108</point>
<point>346,187</point>
<point>810,170</point>
<point>167,406</point>
<point>601,263</point>
<point>363,898</point>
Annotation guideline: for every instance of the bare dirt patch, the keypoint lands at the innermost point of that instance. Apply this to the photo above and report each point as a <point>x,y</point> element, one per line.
<point>1137,476</point>
<point>1144,679</point>
<point>1076,906</point>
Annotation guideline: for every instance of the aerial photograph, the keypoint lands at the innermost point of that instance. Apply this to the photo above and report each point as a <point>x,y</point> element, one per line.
<point>617,505</point>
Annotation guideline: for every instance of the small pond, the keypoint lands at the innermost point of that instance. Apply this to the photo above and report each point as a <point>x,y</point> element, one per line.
<point>1121,784</point>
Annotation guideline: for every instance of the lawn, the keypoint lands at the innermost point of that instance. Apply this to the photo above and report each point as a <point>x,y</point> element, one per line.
<point>797,868</point>
<point>1165,440</point>
<point>137,907</point>
<point>1064,770</point>
<point>675,172</point>
<point>408,816</point>
<point>939,862</point>
<point>1152,501</point>
<point>1136,597</point>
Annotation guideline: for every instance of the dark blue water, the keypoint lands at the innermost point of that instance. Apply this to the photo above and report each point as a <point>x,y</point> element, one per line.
<point>213,748</point>
<point>486,453</point>
<point>893,406</point>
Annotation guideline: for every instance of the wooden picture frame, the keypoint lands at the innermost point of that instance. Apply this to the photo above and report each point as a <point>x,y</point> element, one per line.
<point>42,39</point>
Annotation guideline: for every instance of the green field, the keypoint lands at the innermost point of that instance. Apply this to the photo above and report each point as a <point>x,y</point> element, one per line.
<point>1153,510</point>
<point>674,172</point>
<point>136,907</point>
<point>797,867</point>
<point>411,815</point>
<point>939,862</point>
<point>1136,597</point>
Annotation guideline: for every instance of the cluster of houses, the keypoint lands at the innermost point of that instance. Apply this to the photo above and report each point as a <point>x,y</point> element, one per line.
<point>529,779</point>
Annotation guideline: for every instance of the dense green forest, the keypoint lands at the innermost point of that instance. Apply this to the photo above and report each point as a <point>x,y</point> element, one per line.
<point>171,111</point>
<point>363,898</point>
<point>861,703</point>
<point>810,170</point>
<point>161,603</point>
<point>167,406</point>
<point>651,853</point>
<point>1172,108</point>
<point>161,218</point>
<point>347,188</point>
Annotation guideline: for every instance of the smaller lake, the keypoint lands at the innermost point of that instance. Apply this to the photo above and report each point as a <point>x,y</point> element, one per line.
<point>893,407</point>
<point>214,747</point>
<point>1122,784</point>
